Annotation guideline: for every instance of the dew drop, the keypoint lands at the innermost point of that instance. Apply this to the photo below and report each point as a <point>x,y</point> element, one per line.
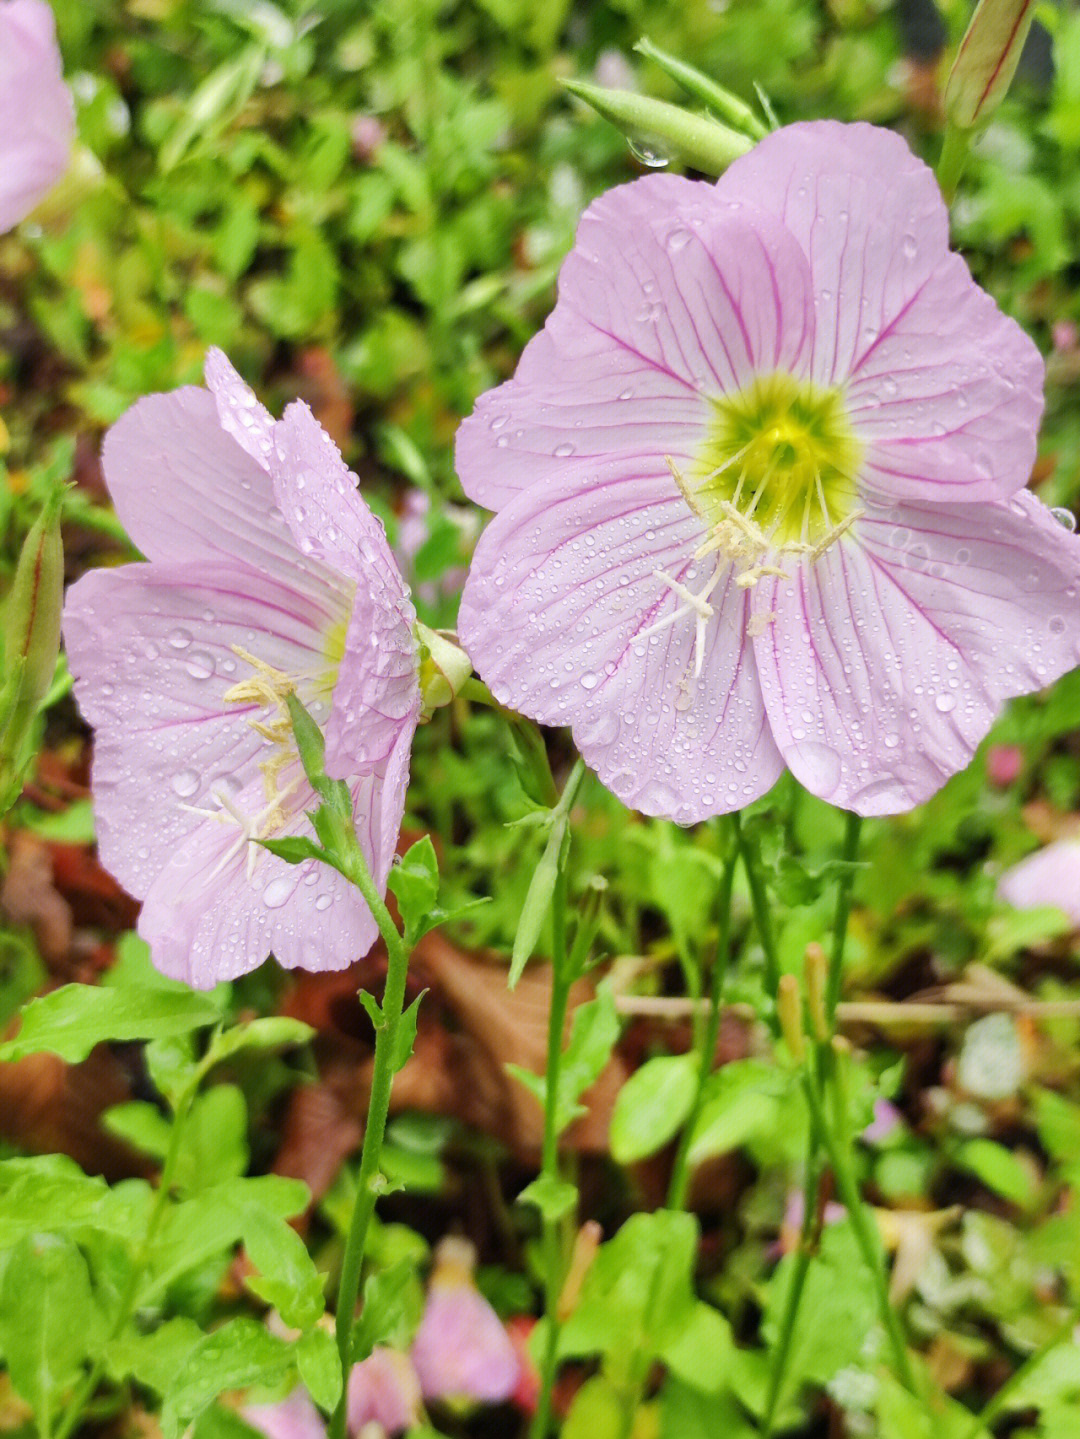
<point>648,152</point>
<point>1065,518</point>
<point>179,639</point>
<point>818,768</point>
<point>277,892</point>
<point>589,681</point>
<point>185,782</point>
<point>945,704</point>
<point>323,901</point>
<point>678,240</point>
<point>563,450</point>
<point>910,247</point>
<point>199,665</point>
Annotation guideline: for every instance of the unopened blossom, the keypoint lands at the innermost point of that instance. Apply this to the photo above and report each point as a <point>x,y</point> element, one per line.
<point>760,491</point>
<point>462,1350</point>
<point>37,118</point>
<point>383,1390</point>
<point>267,576</point>
<point>1050,876</point>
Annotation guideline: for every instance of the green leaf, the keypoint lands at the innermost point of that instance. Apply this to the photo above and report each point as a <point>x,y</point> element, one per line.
<point>152,1359</point>
<point>216,100</point>
<point>999,1169</point>
<point>637,1297</point>
<point>72,1020</point>
<point>49,1322</point>
<point>139,1124</point>
<point>406,1034</point>
<point>537,903</point>
<point>593,1033</point>
<point>393,1304</point>
<point>596,1413</point>
<point>700,1353</point>
<point>52,1193</point>
<point>652,1106</point>
<point>688,1413</point>
<point>742,1102</point>
<point>274,1032</point>
<point>293,849</point>
<point>240,1353</point>
<point>552,1196</point>
<point>287,1276</point>
<point>320,1368</point>
<point>414,879</point>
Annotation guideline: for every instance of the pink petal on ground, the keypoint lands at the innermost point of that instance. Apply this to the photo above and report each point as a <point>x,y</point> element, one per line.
<point>892,655</point>
<point>948,399</point>
<point>185,490</point>
<point>150,649</point>
<point>461,1349</point>
<point>1050,876</point>
<point>239,412</point>
<point>384,1390</point>
<point>292,1418</point>
<point>868,215</point>
<point>206,921</point>
<point>667,298</point>
<point>561,588</point>
<point>37,118</point>
<point>378,690</point>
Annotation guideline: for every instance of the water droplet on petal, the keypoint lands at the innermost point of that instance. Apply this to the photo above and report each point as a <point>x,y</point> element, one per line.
<point>323,901</point>
<point>1065,518</point>
<point>945,704</point>
<point>179,639</point>
<point>563,450</point>
<point>277,892</point>
<point>199,665</point>
<point>909,246</point>
<point>185,782</point>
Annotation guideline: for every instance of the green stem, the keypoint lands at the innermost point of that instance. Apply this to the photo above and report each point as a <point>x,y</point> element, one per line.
<point>838,1148</point>
<point>680,1174</point>
<point>852,835</point>
<point>809,1236</point>
<point>84,1392</point>
<point>385,1066</point>
<point>551,1238</point>
<point>759,901</point>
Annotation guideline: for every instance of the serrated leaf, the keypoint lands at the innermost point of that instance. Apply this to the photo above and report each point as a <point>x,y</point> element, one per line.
<point>237,1355</point>
<point>414,879</point>
<point>72,1020</point>
<point>273,1032</point>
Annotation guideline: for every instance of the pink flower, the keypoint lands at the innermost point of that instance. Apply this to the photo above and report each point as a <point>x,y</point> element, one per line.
<point>760,496</point>
<point>1003,764</point>
<point>1050,876</point>
<point>383,1390</point>
<point>37,118</point>
<point>267,574</point>
<point>461,1350</point>
<point>292,1418</point>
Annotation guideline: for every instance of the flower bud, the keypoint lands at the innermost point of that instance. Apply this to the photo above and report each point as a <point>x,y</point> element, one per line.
<point>704,143</point>
<point>444,668</point>
<point>817,969</point>
<point>986,61</point>
<point>789,1010</point>
<point>461,1351</point>
<point>31,633</point>
<point>383,1390</point>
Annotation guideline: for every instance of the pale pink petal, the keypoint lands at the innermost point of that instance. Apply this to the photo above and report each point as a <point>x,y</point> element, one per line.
<point>292,1418</point>
<point>37,118</point>
<point>239,412</point>
<point>150,647</point>
<point>867,214</point>
<point>377,692</point>
<point>206,920</point>
<point>185,490</point>
<point>562,588</point>
<point>891,656</point>
<point>384,1390</point>
<point>947,400</point>
<point>462,1350</point>
<point>1050,876</point>
<point>666,299</point>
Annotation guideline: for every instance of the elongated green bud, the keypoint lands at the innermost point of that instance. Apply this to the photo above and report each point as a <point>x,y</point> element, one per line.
<point>667,130</point>
<point>986,61</point>
<point>790,1013</point>
<point>31,630</point>
<point>729,107</point>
